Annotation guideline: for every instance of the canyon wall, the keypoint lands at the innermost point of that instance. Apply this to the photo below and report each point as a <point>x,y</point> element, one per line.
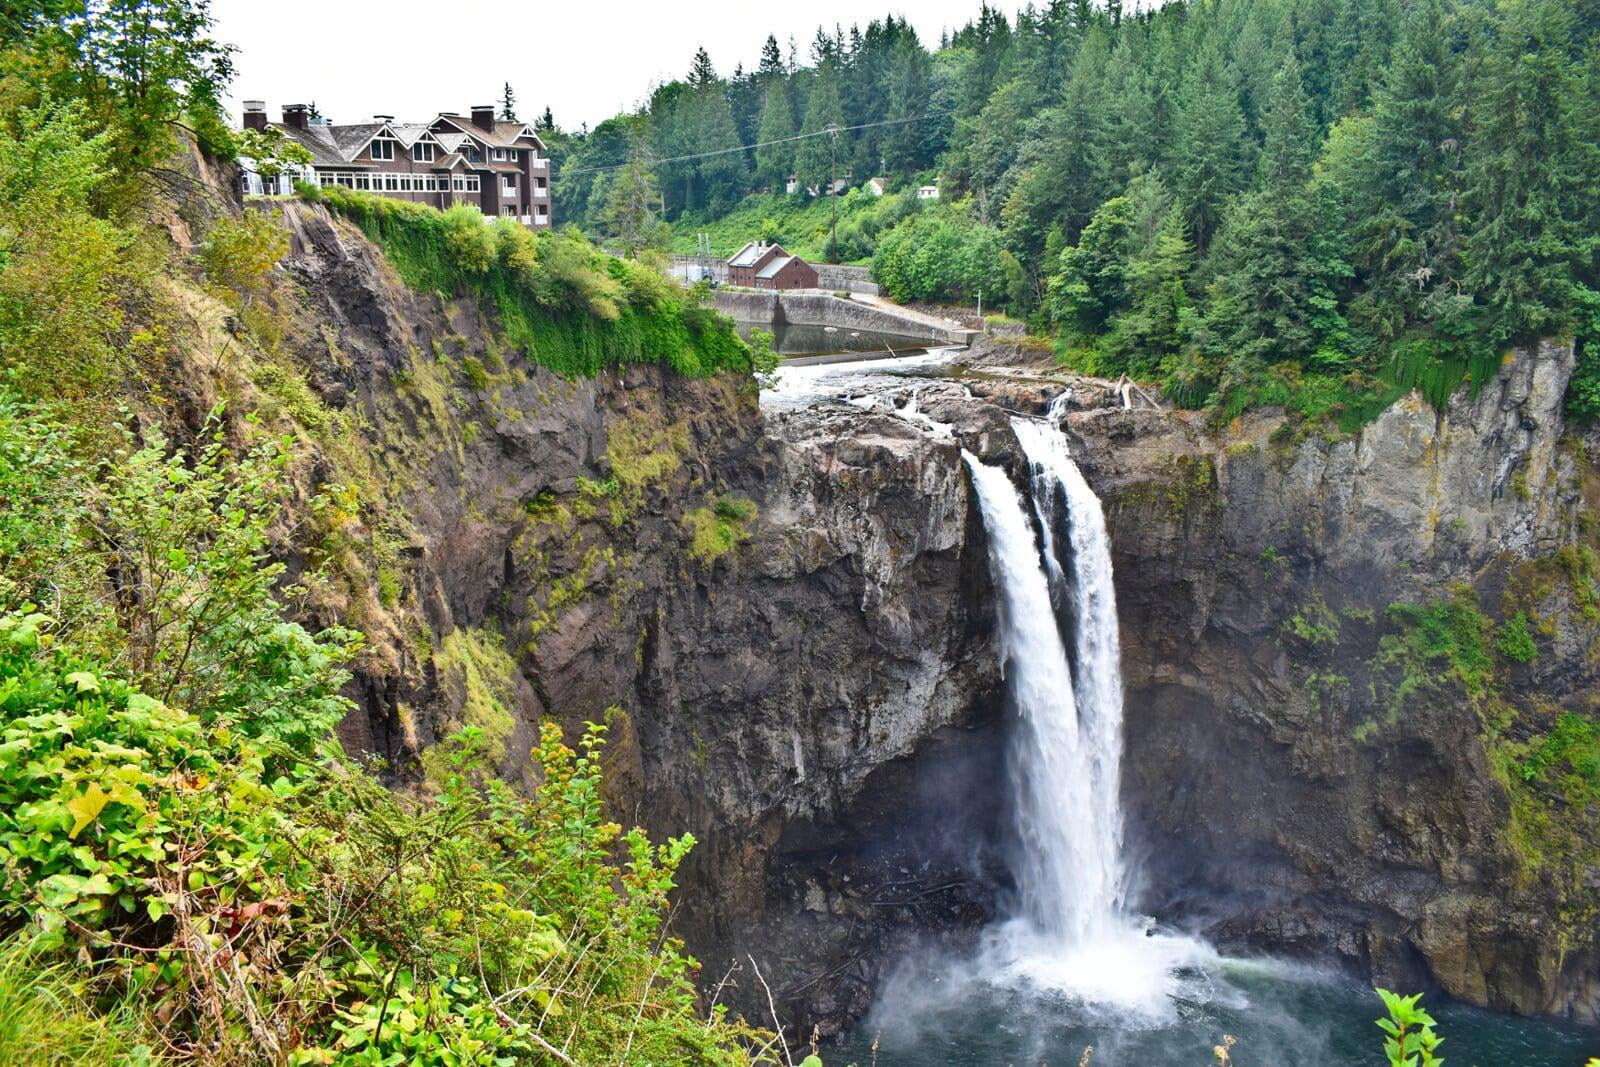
<point>785,621</point>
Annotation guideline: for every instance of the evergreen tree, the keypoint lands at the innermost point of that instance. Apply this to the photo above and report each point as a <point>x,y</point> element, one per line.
<point>906,148</point>
<point>508,104</point>
<point>772,65</point>
<point>1523,185</point>
<point>817,157</point>
<point>628,213</point>
<point>1406,239</point>
<point>775,157</point>
<point>702,74</point>
<point>1209,163</point>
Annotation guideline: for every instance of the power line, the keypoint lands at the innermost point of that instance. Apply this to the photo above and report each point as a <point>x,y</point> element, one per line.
<point>827,132</point>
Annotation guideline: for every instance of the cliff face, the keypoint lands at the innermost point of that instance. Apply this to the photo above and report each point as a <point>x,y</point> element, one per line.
<point>786,622</point>
<point>780,622</point>
<point>1312,770</point>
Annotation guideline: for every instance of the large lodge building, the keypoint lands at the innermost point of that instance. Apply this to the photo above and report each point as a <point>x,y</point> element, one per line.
<point>497,165</point>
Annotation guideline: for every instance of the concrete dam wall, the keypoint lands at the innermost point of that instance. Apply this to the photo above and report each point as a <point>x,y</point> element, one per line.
<point>810,308</point>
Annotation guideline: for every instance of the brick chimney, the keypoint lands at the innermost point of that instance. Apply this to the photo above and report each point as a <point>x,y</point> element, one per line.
<point>383,118</point>
<point>255,114</point>
<point>483,116</point>
<point>294,115</point>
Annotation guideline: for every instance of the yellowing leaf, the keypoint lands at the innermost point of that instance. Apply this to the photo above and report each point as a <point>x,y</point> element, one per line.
<point>86,808</point>
<point>84,681</point>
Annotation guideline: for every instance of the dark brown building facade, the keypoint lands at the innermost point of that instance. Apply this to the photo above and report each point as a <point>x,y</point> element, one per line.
<point>498,166</point>
<point>786,272</point>
<point>748,261</point>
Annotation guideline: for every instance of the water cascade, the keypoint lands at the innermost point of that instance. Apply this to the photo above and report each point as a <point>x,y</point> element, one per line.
<point>1071,933</point>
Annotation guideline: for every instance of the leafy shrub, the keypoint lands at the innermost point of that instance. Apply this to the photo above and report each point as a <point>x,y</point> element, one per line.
<point>1411,1040</point>
<point>239,253</point>
<point>939,255</point>
<point>1515,640</point>
<point>64,273</point>
<point>1450,632</point>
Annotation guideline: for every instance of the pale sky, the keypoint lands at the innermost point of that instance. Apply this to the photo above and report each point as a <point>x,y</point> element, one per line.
<point>586,59</point>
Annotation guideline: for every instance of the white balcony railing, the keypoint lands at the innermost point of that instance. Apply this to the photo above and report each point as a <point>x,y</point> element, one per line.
<point>540,163</point>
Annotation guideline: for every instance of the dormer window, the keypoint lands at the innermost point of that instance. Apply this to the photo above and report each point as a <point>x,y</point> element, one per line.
<point>499,155</point>
<point>422,152</point>
<point>473,154</point>
<point>382,148</point>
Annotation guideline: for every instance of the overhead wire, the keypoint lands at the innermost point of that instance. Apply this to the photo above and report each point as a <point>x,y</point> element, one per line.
<point>826,132</point>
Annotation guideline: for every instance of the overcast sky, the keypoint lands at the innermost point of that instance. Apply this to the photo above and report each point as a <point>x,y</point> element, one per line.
<point>586,59</point>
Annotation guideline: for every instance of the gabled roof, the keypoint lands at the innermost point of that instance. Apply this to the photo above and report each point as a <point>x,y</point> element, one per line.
<point>504,135</point>
<point>751,253</point>
<point>771,269</point>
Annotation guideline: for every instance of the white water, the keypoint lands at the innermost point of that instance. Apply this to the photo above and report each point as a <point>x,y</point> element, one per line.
<point>1072,934</point>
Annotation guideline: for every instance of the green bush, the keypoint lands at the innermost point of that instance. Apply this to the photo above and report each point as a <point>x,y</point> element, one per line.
<point>1514,639</point>
<point>940,255</point>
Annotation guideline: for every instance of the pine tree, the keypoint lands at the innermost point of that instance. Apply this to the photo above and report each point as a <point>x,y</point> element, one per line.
<point>905,146</point>
<point>508,104</point>
<point>816,157</point>
<point>772,65</point>
<point>1406,240</point>
<point>1208,165</point>
<point>701,72</point>
<point>1522,180</point>
<point>775,161</point>
<point>628,213</point>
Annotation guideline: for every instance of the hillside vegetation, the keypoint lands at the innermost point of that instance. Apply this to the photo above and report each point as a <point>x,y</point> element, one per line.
<point>1320,203</point>
<point>192,870</point>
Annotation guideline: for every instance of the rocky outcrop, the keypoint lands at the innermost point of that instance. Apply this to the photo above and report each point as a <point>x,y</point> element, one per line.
<point>1308,774</point>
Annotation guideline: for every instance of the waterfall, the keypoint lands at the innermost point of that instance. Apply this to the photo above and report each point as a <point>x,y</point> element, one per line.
<point>1061,658</point>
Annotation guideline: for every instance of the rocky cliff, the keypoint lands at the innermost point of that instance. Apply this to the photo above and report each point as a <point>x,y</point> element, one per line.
<point>785,621</point>
<point>1335,734</point>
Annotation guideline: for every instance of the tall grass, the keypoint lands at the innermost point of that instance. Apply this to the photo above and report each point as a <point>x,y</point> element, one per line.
<point>44,1022</point>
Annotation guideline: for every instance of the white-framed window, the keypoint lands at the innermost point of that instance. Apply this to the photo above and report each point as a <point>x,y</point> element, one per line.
<point>381,148</point>
<point>422,152</point>
<point>499,155</point>
<point>391,183</point>
<point>508,184</point>
<point>472,183</point>
<point>472,153</point>
<point>363,181</point>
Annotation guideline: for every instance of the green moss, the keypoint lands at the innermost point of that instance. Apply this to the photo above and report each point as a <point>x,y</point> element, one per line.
<point>475,373</point>
<point>719,528</point>
<point>1514,639</point>
<point>1448,638</point>
<point>1314,623</point>
<point>478,660</point>
<point>567,591</point>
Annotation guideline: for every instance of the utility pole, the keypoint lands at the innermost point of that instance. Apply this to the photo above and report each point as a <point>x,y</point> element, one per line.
<point>833,201</point>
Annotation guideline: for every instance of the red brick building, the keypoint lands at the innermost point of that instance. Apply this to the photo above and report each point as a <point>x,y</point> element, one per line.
<point>499,166</point>
<point>749,260</point>
<point>786,272</point>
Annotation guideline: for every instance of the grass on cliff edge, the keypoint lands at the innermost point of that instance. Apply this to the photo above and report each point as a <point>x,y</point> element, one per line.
<point>569,306</point>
